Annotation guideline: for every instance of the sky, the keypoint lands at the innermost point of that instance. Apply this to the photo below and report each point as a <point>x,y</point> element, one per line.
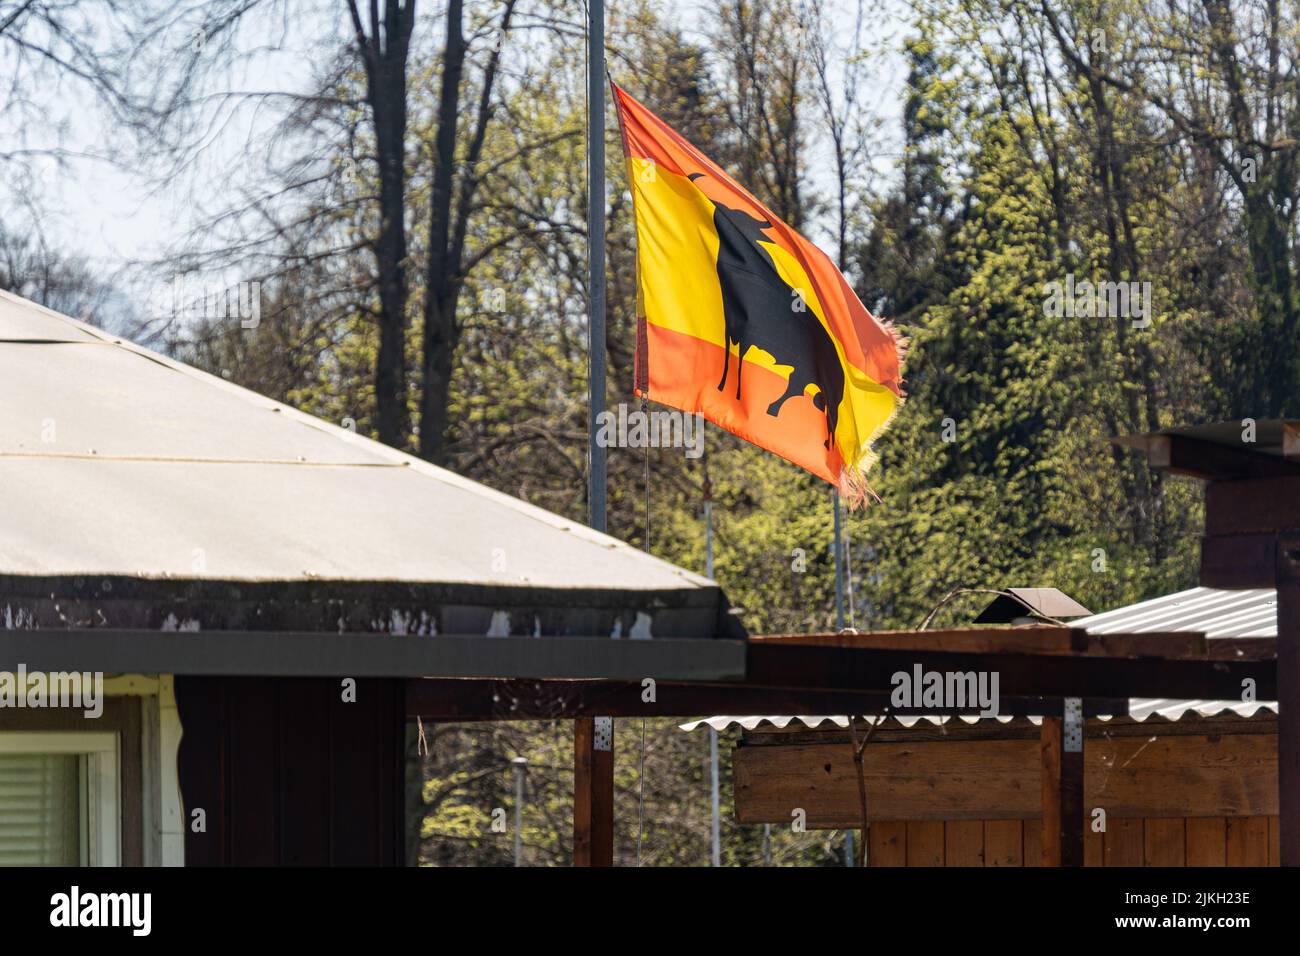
<point>113,215</point>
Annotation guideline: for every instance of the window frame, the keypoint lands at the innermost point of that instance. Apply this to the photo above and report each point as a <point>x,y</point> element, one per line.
<point>101,783</point>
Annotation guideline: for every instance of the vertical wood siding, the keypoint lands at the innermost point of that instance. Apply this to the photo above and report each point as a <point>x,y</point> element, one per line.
<point>289,774</point>
<point>1169,841</point>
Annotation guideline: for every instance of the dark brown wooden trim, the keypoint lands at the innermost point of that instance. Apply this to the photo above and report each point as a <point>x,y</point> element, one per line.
<point>1020,674</point>
<point>468,699</point>
<point>1047,640</point>
<point>1287,581</point>
<point>593,798</point>
<point>132,786</point>
<point>1259,506</point>
<point>1238,561</point>
<point>1211,461</point>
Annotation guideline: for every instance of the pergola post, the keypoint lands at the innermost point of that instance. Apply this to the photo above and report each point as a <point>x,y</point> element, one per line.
<point>1287,581</point>
<point>593,791</point>
<point>1061,750</point>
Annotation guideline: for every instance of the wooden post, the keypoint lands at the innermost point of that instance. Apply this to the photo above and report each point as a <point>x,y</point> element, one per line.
<point>1287,581</point>
<point>593,792</point>
<point>1062,768</point>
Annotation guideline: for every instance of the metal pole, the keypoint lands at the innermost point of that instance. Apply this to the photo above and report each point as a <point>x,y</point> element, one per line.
<point>839,568</point>
<point>717,822</point>
<point>519,763</point>
<point>708,540</point>
<point>596,258</point>
<point>848,573</point>
<point>593,763</point>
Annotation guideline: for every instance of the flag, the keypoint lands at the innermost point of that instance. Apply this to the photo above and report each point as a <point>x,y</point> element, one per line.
<point>742,319</point>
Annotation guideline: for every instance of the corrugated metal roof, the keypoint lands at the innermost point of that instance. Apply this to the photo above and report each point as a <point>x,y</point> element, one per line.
<point>1140,709</point>
<point>115,460</point>
<point>1214,612</point>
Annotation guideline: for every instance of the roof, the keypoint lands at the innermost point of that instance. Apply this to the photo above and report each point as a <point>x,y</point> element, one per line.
<point>1214,612</point>
<point>116,461</point>
<point>1272,436</point>
<point>1223,451</point>
<point>1140,710</point>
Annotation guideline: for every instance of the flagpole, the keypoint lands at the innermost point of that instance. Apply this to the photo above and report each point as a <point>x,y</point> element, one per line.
<point>715,804</point>
<point>596,259</point>
<point>593,740</point>
<point>839,565</point>
<point>838,549</point>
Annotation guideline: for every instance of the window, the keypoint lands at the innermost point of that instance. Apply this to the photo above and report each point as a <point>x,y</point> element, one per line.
<point>59,799</point>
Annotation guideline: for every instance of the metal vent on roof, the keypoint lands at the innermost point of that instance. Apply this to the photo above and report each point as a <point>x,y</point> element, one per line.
<point>1019,603</point>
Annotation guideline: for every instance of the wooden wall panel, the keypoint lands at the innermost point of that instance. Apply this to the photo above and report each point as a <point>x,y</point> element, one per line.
<point>304,716</point>
<point>925,843</point>
<point>887,844</point>
<point>1094,845</point>
<point>1003,842</point>
<point>1164,842</point>
<point>202,766</point>
<point>290,774</point>
<point>1159,841</point>
<point>1183,776</point>
<point>254,820</point>
<point>1207,841</point>
<point>1033,837</point>
<point>1247,843</point>
<point>1134,776</point>
<point>1122,843</point>
<point>963,842</point>
<point>970,780</point>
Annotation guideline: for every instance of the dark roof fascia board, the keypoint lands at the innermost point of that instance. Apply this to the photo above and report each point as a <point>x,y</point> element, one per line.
<point>314,654</point>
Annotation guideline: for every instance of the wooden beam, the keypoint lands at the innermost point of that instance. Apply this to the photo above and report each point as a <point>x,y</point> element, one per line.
<point>583,732</point>
<point>593,793</point>
<point>1226,769</point>
<point>1259,506</point>
<point>1061,769</point>
<point>1020,674</point>
<point>1049,758</point>
<point>455,699</point>
<point>1291,439</point>
<point>1238,561</point>
<point>790,678</point>
<point>1211,461</point>
<point>1287,582</point>
<point>968,780</point>
<point>1049,640</point>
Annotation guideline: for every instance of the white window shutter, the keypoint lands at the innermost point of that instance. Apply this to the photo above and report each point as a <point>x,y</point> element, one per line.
<point>40,809</point>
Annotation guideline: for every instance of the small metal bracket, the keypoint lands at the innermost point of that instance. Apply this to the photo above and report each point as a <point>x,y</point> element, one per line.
<point>603,739</point>
<point>1072,729</point>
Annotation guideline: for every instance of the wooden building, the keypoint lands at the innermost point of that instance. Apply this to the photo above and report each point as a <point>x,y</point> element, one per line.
<point>256,587</point>
<point>1165,783</point>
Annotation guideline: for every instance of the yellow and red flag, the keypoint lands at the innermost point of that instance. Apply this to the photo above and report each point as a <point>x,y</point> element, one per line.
<point>741,318</point>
